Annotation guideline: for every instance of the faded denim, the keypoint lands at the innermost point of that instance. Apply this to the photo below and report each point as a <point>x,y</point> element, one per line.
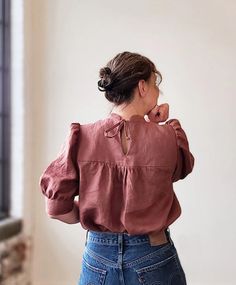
<point>120,259</point>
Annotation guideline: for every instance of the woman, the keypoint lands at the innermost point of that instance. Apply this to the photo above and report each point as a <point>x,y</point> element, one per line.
<point>123,168</point>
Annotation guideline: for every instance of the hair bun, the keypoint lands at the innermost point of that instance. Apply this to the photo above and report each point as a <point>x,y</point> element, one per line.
<point>108,70</point>
<point>104,72</point>
<point>105,82</point>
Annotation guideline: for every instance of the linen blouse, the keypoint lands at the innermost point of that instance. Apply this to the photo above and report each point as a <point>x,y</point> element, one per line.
<point>119,192</point>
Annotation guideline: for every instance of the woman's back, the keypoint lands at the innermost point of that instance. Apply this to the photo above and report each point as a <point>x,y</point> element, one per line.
<point>134,188</point>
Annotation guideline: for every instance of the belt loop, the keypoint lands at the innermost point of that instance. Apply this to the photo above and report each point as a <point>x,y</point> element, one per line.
<point>86,237</point>
<point>120,242</point>
<point>169,237</point>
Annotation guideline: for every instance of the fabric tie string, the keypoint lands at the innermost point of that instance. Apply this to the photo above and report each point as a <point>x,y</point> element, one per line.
<point>119,126</point>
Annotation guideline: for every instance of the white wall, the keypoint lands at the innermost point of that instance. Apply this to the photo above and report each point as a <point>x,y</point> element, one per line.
<point>193,44</point>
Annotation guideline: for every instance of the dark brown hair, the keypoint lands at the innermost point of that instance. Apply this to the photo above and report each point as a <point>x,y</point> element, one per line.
<point>121,75</point>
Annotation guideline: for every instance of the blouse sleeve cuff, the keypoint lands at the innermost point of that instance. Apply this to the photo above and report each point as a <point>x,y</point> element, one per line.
<point>58,207</point>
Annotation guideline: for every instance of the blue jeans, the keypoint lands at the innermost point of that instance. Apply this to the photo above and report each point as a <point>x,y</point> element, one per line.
<point>120,259</point>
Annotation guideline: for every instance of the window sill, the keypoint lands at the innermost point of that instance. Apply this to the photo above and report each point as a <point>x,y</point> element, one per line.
<point>10,227</point>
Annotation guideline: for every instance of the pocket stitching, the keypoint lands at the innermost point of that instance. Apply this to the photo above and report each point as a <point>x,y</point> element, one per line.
<point>99,258</point>
<point>142,259</point>
<point>95,269</point>
<point>155,265</point>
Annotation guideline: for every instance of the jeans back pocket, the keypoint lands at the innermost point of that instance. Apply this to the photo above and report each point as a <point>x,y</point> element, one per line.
<point>160,273</point>
<point>91,275</point>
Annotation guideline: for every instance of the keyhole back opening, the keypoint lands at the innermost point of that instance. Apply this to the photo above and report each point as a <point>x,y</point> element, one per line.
<point>125,141</point>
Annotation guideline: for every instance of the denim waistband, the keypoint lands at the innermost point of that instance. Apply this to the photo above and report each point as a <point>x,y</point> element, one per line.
<point>113,238</point>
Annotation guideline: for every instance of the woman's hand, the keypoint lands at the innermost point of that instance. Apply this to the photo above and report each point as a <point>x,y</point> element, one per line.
<point>159,113</point>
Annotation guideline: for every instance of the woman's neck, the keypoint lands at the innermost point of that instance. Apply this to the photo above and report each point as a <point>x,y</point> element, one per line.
<point>127,112</point>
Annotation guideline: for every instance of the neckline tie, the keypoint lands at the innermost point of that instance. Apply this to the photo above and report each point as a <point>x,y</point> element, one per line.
<point>119,126</point>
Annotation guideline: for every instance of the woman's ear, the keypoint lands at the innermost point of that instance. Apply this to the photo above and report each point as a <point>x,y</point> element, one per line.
<point>142,87</point>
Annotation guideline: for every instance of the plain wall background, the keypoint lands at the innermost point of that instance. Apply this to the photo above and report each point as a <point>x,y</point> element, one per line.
<point>193,44</point>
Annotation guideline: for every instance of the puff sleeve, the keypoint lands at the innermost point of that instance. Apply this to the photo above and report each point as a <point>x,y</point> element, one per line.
<point>59,182</point>
<point>185,159</point>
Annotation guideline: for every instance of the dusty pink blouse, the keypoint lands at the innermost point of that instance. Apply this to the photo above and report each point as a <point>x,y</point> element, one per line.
<point>119,192</point>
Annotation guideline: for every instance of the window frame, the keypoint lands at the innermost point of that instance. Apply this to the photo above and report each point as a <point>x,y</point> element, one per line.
<point>5,112</point>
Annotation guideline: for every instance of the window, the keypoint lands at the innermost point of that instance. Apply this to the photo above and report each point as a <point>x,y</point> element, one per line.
<point>5,126</point>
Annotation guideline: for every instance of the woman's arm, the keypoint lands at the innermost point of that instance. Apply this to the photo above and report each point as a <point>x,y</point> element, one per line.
<point>59,182</point>
<point>70,218</point>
